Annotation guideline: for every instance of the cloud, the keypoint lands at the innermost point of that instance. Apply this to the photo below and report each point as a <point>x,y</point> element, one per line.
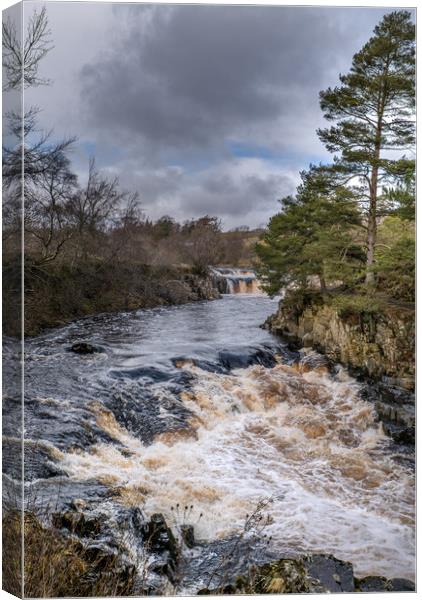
<point>170,96</point>
<point>240,191</point>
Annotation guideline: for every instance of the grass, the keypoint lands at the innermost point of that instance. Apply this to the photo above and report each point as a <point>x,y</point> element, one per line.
<point>59,565</point>
<point>55,565</point>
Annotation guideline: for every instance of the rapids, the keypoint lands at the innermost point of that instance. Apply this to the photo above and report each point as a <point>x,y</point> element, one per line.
<point>198,405</point>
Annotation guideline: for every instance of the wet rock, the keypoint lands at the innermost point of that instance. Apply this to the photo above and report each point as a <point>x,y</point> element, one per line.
<point>78,523</point>
<point>401,585</point>
<point>39,460</point>
<point>159,539</point>
<point>333,575</point>
<point>244,358</point>
<point>395,408</point>
<point>106,565</point>
<point>314,361</point>
<point>382,584</point>
<point>188,535</point>
<point>144,419</point>
<point>401,435</point>
<point>372,584</point>
<point>84,348</point>
<point>281,577</point>
<point>303,574</point>
<point>79,504</point>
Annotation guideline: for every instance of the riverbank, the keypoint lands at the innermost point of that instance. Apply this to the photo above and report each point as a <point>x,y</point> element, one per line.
<point>64,558</point>
<point>371,335</point>
<point>374,340</point>
<point>59,294</point>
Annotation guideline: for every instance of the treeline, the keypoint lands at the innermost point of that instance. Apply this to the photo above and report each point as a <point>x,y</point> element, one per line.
<point>350,227</point>
<point>87,247</point>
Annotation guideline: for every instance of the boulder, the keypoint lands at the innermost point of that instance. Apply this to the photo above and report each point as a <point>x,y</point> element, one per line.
<point>333,575</point>
<point>318,573</point>
<point>78,523</point>
<point>373,583</point>
<point>83,348</point>
<point>401,585</point>
<point>159,540</point>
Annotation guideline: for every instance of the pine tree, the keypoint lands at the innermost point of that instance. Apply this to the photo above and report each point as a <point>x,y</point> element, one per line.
<point>311,238</point>
<point>373,109</point>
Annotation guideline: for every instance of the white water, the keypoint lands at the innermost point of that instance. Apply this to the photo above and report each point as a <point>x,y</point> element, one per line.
<point>239,281</point>
<point>296,435</point>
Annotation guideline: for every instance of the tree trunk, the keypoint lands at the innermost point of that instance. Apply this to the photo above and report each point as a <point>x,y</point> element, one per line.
<point>372,213</point>
<point>371,238</point>
<point>322,284</point>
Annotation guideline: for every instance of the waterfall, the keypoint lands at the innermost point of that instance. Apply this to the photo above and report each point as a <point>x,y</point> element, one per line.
<point>236,281</point>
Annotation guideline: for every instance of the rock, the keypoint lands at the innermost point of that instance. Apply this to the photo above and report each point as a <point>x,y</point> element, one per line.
<point>372,584</point>
<point>307,340</point>
<point>334,575</point>
<point>159,539</point>
<point>280,577</point>
<point>79,504</point>
<point>382,584</point>
<point>83,348</point>
<point>244,358</point>
<point>188,535</point>
<point>380,344</point>
<point>78,523</point>
<point>401,585</point>
<point>404,435</point>
<point>317,573</point>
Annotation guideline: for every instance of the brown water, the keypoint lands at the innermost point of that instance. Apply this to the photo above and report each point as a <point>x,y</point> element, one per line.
<point>175,410</point>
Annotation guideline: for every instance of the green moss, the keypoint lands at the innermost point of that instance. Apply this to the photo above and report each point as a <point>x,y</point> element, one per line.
<point>363,306</point>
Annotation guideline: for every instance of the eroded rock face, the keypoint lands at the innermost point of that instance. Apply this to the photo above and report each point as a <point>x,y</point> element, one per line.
<point>380,345</point>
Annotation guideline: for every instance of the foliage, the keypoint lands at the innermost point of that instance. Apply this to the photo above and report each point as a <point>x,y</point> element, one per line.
<point>373,112</point>
<point>400,199</point>
<point>327,235</point>
<point>395,258</point>
<point>356,304</point>
<point>312,238</point>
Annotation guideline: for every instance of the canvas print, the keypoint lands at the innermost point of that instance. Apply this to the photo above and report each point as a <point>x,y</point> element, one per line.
<point>208,299</point>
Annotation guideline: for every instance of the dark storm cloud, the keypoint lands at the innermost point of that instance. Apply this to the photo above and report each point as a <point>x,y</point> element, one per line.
<point>198,74</point>
<point>202,109</point>
<point>236,196</point>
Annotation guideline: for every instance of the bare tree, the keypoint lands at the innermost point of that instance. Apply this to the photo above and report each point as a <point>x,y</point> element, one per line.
<point>204,245</point>
<point>130,214</point>
<point>94,207</point>
<point>46,177</point>
<point>47,212</point>
<point>21,58</point>
<point>39,157</point>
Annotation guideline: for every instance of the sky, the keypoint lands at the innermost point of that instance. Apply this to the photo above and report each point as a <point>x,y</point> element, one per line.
<point>201,109</point>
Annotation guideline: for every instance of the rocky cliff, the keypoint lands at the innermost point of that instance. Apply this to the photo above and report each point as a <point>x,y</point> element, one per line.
<point>379,345</point>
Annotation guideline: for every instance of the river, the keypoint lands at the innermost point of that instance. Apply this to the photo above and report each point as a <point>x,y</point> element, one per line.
<point>197,405</point>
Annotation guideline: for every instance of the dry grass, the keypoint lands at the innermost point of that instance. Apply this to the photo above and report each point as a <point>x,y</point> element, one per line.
<point>12,552</point>
<point>57,566</point>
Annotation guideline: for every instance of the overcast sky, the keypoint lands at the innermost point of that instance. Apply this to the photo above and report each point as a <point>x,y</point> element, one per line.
<point>202,109</point>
